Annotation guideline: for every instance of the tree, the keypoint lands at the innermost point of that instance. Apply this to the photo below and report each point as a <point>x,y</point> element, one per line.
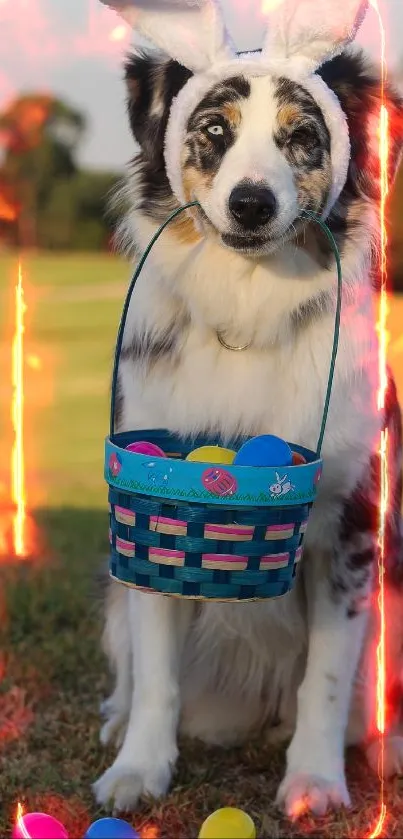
<point>75,214</point>
<point>39,136</point>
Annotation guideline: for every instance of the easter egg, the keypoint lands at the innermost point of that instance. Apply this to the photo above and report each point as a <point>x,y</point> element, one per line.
<point>317,476</point>
<point>39,826</point>
<point>110,828</point>
<point>228,823</point>
<point>143,447</point>
<point>115,464</point>
<point>298,459</point>
<point>266,450</point>
<point>219,482</point>
<point>211,454</point>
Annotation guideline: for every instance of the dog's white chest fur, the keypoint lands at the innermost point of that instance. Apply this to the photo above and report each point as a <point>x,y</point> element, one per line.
<point>277,385</point>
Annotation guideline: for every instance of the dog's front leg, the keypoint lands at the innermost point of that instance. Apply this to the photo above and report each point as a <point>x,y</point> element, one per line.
<point>144,764</point>
<point>315,777</point>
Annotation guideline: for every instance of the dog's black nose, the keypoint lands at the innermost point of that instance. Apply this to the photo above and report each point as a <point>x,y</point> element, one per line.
<point>252,206</point>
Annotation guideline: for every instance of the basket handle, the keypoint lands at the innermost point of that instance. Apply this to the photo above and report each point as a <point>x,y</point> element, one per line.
<point>171,217</point>
<point>335,346</point>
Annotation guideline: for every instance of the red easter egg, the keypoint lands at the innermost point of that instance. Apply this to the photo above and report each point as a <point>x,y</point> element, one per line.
<point>298,459</point>
<point>219,482</point>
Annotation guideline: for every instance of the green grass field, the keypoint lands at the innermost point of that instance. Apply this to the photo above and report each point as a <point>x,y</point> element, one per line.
<point>52,674</point>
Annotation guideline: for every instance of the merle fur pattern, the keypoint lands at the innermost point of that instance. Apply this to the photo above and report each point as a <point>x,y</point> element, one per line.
<point>356,86</point>
<point>338,573</point>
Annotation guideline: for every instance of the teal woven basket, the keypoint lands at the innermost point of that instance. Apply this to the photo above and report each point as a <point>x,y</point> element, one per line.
<point>207,531</point>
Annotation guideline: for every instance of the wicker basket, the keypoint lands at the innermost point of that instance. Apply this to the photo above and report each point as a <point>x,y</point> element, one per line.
<point>206,531</point>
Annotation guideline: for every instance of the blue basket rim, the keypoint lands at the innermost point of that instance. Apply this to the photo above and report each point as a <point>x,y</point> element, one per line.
<point>174,479</point>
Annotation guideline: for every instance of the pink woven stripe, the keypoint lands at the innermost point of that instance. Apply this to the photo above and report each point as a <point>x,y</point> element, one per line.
<point>230,558</point>
<point>125,547</point>
<point>279,530</point>
<point>125,516</point>
<point>228,531</point>
<point>164,556</point>
<point>281,526</point>
<point>274,561</point>
<point>163,520</point>
<point>224,562</point>
<point>172,527</point>
<point>167,552</point>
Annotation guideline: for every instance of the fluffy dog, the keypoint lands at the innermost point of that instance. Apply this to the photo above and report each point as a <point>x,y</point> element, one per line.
<point>247,271</point>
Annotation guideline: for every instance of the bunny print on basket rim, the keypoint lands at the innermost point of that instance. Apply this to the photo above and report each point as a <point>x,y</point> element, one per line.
<point>282,486</point>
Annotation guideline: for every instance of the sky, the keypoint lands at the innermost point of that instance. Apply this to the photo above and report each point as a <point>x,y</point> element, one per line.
<point>74,48</point>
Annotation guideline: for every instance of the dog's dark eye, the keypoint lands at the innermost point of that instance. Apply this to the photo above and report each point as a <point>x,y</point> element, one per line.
<point>305,137</point>
<point>215,130</point>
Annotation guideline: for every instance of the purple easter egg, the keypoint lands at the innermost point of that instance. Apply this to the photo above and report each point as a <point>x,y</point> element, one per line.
<point>115,464</point>
<point>143,447</point>
<point>219,482</point>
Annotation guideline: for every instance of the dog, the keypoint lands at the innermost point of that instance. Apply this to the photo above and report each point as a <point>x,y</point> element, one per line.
<point>247,271</point>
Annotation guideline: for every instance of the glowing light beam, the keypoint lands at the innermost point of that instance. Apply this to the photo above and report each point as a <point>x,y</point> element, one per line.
<point>383,450</point>
<point>20,824</point>
<point>18,495</point>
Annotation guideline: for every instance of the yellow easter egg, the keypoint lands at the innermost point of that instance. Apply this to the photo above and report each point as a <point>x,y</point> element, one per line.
<point>228,823</point>
<point>212,454</point>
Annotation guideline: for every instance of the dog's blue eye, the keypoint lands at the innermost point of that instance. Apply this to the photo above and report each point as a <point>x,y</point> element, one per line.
<point>215,130</point>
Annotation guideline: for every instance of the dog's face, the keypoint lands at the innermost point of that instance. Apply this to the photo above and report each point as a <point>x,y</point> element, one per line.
<point>256,153</point>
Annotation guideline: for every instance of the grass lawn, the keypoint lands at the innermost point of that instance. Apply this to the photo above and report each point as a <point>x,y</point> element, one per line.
<point>52,674</point>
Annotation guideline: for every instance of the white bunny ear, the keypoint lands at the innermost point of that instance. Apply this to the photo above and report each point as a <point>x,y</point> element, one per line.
<point>190,31</point>
<point>312,31</point>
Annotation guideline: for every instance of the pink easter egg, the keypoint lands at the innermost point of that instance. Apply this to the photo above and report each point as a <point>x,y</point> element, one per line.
<point>39,826</point>
<point>318,475</point>
<point>219,482</point>
<point>143,447</point>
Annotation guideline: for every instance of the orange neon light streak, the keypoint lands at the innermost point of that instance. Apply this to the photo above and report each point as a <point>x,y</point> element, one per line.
<point>20,823</point>
<point>383,450</point>
<point>17,415</point>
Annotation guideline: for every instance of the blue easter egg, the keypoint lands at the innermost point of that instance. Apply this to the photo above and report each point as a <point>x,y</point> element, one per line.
<point>266,450</point>
<point>111,829</point>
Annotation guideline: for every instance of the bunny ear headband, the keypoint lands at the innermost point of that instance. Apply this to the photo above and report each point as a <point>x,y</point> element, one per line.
<point>301,36</point>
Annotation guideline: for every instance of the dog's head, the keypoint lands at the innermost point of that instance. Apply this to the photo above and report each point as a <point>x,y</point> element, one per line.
<point>258,140</point>
<point>257,151</point>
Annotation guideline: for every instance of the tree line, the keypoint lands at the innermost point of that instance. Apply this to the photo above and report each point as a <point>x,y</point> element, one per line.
<point>47,201</point>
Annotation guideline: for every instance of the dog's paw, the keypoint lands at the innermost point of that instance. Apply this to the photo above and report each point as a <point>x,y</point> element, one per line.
<point>392,755</point>
<point>302,793</point>
<point>114,727</point>
<point>120,787</point>
<point>113,730</point>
